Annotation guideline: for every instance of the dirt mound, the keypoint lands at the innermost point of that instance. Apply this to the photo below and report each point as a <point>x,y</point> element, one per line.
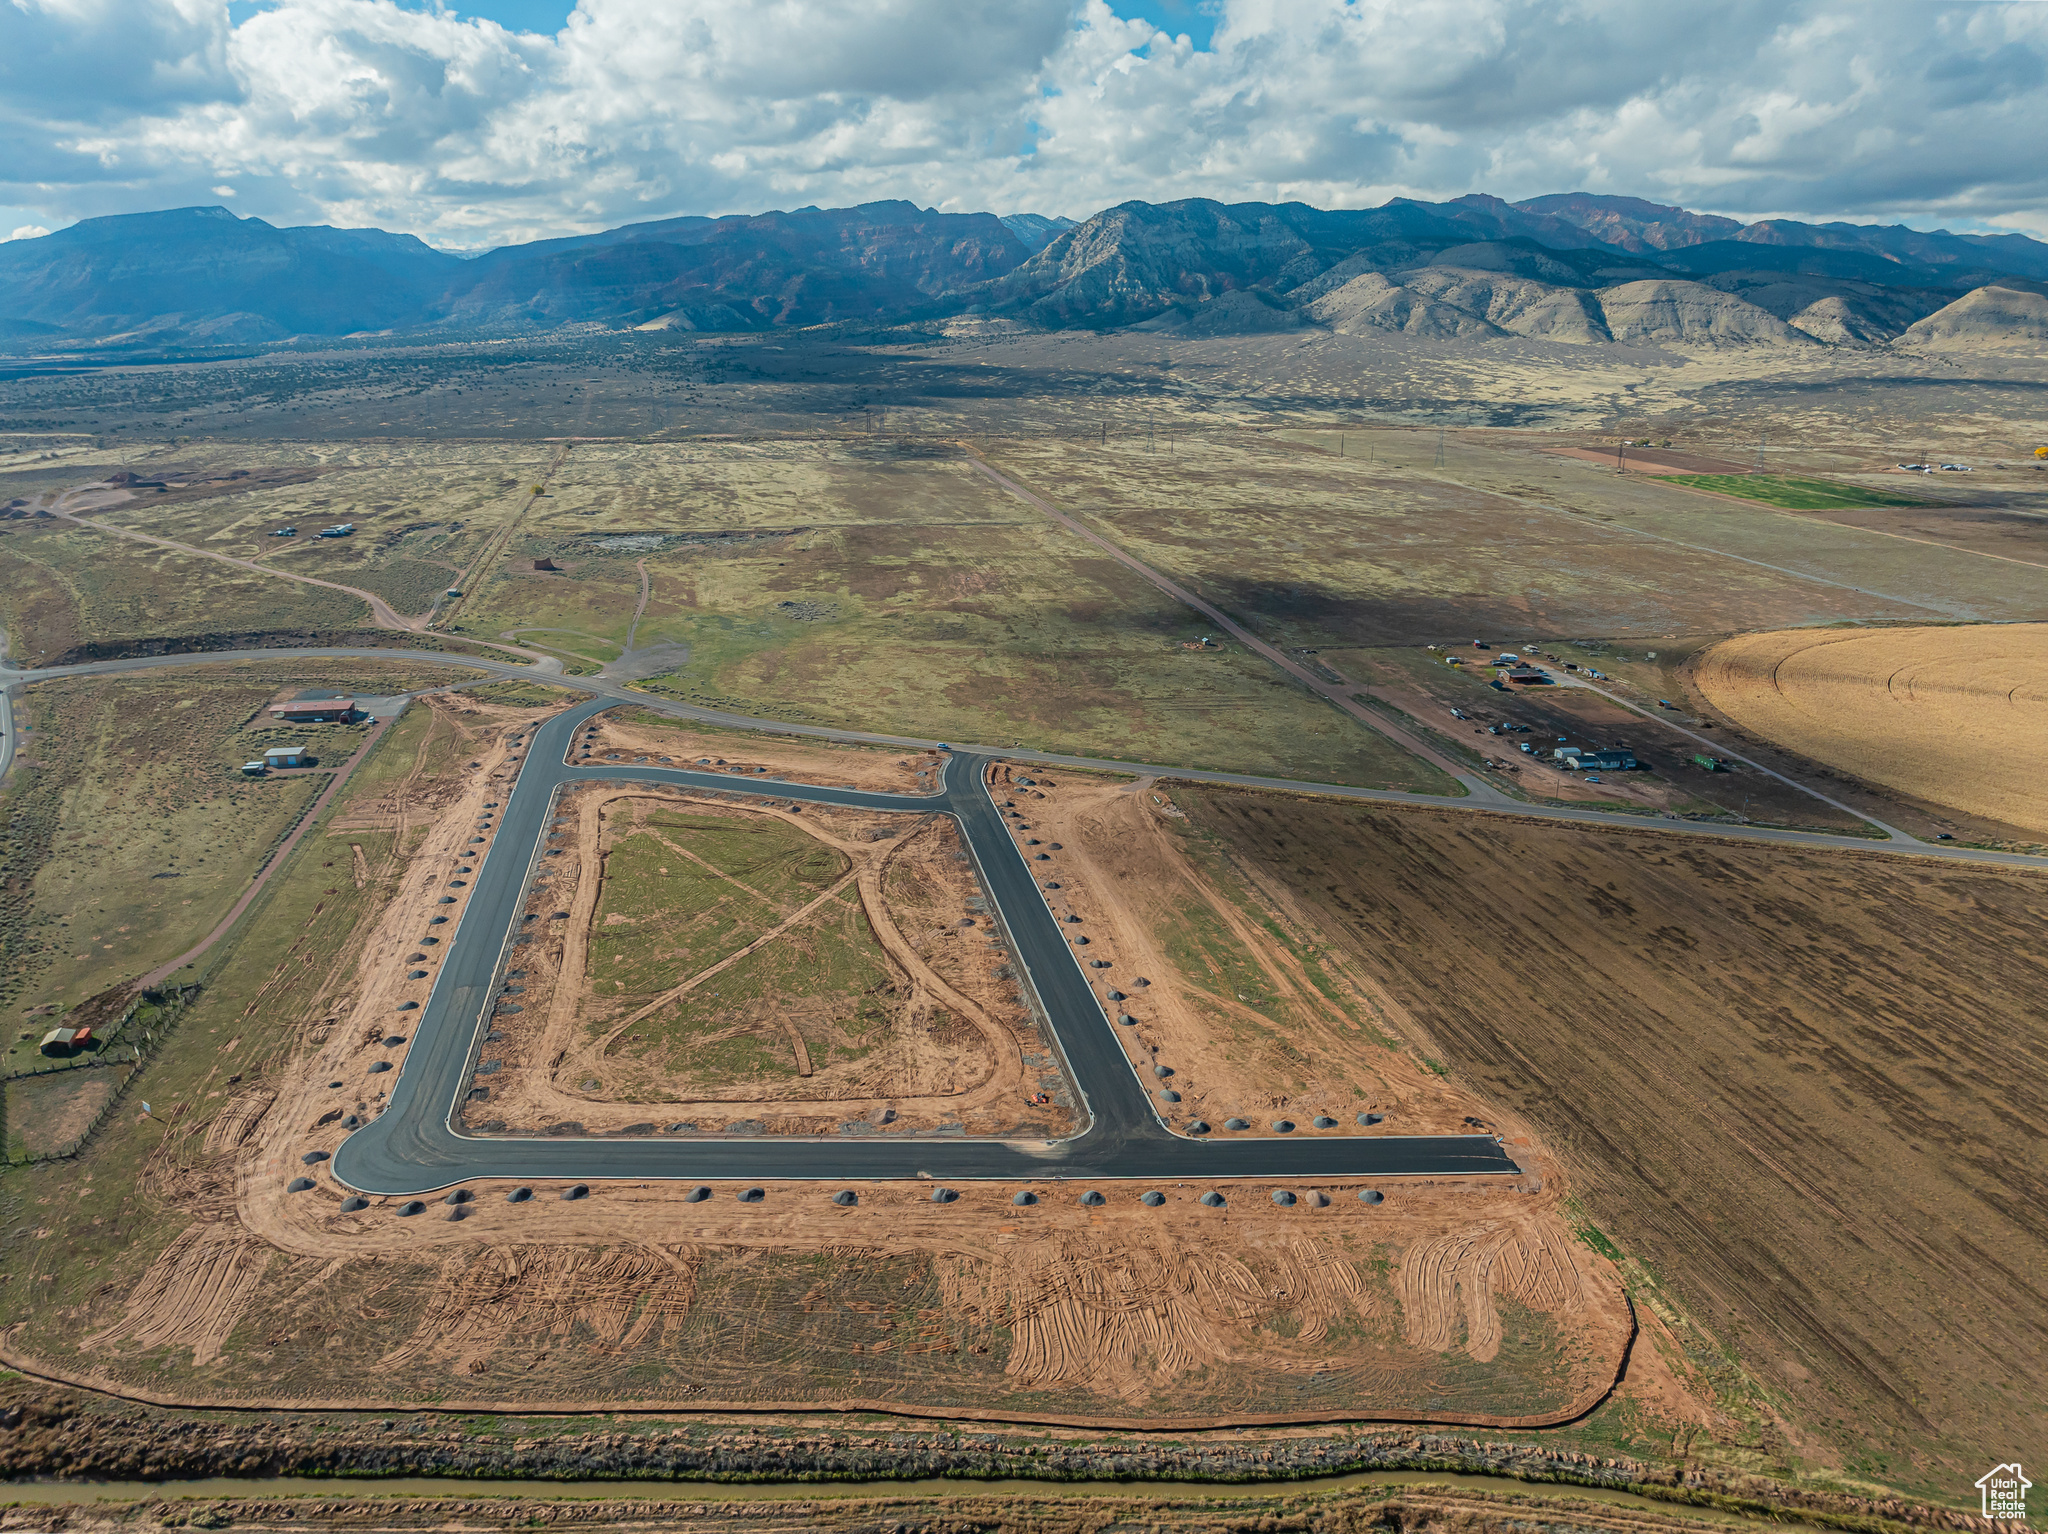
<point>1953,715</point>
<point>1986,319</point>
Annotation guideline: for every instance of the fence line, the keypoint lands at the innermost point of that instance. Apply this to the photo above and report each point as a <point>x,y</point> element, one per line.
<point>155,1036</point>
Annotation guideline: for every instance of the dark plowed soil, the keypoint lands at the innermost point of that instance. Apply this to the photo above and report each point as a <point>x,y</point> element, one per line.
<point>1804,1089</point>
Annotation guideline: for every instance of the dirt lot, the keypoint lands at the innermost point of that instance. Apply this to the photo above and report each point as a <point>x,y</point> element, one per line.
<point>1784,1082</point>
<point>1955,715</point>
<point>1475,1300</point>
<point>633,734</point>
<point>1261,1024</point>
<point>197,1272</point>
<point>725,963</point>
<point>45,1114</point>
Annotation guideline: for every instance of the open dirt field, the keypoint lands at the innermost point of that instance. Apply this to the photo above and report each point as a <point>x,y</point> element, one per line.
<point>1262,1028</point>
<point>69,587</point>
<point>1796,1089</point>
<point>1469,1300</point>
<point>731,964</point>
<point>630,734</point>
<point>198,1272</point>
<point>1314,550</point>
<point>1954,715</point>
<point>884,586</point>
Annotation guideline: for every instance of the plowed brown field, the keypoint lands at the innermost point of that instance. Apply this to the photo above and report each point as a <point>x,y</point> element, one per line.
<point>1803,1089</point>
<point>1958,716</point>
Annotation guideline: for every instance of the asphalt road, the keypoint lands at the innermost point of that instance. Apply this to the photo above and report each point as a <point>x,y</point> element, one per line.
<point>1900,845</point>
<point>412,1147</point>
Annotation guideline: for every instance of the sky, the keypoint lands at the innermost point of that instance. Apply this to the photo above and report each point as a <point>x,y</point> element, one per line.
<point>506,120</point>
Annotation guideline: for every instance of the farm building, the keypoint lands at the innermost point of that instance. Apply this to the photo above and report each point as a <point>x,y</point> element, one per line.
<point>314,711</point>
<point>286,756</point>
<point>66,1041</point>
<point>1526,676</point>
<point>1617,760</point>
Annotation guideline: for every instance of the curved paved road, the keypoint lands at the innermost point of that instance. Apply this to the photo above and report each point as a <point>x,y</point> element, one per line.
<point>1900,846</point>
<point>413,1148</point>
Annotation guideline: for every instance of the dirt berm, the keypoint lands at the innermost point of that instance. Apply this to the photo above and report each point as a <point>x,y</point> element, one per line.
<point>70,1435</point>
<point>261,639</point>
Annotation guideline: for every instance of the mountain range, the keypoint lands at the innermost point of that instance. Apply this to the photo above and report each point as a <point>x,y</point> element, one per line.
<point>1573,267</point>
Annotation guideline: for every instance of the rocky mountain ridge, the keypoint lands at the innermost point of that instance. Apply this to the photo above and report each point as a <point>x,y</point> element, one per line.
<point>1576,268</point>
<point>1480,269</point>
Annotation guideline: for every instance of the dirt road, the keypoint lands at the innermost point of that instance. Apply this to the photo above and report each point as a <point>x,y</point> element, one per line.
<point>1474,787</point>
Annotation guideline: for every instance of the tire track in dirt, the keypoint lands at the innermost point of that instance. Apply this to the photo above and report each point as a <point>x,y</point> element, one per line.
<point>678,992</point>
<point>1004,1055</point>
<point>193,1294</point>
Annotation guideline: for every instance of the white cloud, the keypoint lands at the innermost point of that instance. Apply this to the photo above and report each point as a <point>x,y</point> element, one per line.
<point>27,232</point>
<point>223,191</point>
<point>364,112</point>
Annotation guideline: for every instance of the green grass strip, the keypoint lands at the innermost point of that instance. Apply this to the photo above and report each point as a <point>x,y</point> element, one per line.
<point>1789,493</point>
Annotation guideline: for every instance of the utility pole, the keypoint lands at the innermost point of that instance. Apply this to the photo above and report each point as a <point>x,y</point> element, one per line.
<point>1439,445</point>
<point>1762,442</point>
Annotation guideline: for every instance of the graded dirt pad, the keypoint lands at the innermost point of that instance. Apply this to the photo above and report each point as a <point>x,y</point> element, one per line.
<point>189,1264</point>
<point>737,963</point>
<point>1253,1018</point>
<point>1953,715</point>
<point>633,734</point>
<point>1798,1088</point>
<point>1449,1301</point>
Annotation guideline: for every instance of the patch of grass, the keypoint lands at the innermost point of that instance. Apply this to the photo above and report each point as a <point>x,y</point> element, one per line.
<point>77,585</point>
<point>271,984</point>
<point>1789,492</point>
<point>522,694</point>
<point>47,1114</point>
<point>826,979</point>
<point>937,611</point>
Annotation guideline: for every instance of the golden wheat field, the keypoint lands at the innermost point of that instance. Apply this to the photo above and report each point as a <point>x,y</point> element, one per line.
<point>1958,716</point>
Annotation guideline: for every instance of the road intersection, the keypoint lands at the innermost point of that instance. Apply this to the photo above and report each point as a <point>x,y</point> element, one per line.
<point>414,1146</point>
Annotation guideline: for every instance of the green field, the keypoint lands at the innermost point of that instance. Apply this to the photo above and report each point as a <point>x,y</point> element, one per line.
<point>682,892</point>
<point>1790,493</point>
<point>664,914</point>
<point>132,828</point>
